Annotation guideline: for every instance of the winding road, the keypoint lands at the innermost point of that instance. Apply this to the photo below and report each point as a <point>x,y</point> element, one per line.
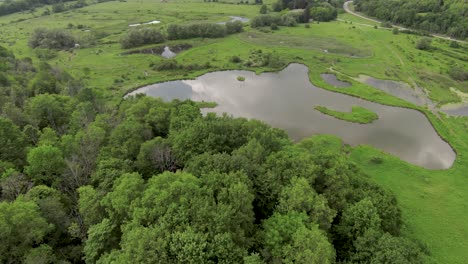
<point>348,10</point>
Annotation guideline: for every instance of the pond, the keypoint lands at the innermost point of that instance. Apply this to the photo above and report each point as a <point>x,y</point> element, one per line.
<point>167,53</point>
<point>332,80</point>
<point>286,100</point>
<point>235,18</point>
<point>401,90</point>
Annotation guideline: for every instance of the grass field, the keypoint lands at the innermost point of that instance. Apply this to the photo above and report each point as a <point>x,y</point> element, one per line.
<point>433,202</point>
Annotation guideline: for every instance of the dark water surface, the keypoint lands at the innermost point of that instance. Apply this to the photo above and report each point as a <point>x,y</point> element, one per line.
<point>286,100</point>
<point>332,80</point>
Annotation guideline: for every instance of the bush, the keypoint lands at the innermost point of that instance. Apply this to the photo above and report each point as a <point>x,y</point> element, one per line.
<point>323,12</point>
<point>454,44</point>
<point>386,24</point>
<point>51,39</point>
<point>376,160</point>
<point>235,59</point>
<point>289,19</point>
<point>395,31</point>
<point>265,21</point>
<point>263,9</point>
<point>458,73</point>
<point>424,43</point>
<point>141,36</point>
<point>234,27</point>
<point>168,65</point>
<point>274,27</point>
<point>203,30</point>
<point>307,25</point>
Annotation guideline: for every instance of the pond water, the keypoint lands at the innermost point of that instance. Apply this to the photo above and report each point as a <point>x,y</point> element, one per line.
<point>236,18</point>
<point>456,109</point>
<point>401,90</point>
<point>167,53</point>
<point>332,80</point>
<point>286,100</point>
<point>147,23</point>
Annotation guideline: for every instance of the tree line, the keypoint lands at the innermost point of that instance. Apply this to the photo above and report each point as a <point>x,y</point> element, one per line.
<point>446,17</point>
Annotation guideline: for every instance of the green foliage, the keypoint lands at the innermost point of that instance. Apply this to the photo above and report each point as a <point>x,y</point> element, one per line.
<point>202,30</point>
<point>323,12</point>
<point>458,73</point>
<point>21,227</point>
<point>234,27</point>
<point>49,110</point>
<point>357,115</point>
<point>263,9</point>
<point>58,39</point>
<point>46,165</point>
<point>13,143</point>
<point>432,16</point>
<point>424,43</point>
<point>141,36</point>
<point>290,239</point>
<point>266,20</point>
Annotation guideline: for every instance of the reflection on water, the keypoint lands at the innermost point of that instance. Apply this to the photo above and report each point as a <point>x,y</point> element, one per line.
<point>167,53</point>
<point>286,100</point>
<point>235,18</point>
<point>399,89</point>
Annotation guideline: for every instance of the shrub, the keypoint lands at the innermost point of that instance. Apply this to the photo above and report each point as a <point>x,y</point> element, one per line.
<point>386,24</point>
<point>265,20</point>
<point>376,160</point>
<point>203,30</point>
<point>274,27</point>
<point>307,25</point>
<point>141,36</point>
<point>263,9</point>
<point>424,43</point>
<point>235,59</point>
<point>323,12</point>
<point>289,19</point>
<point>454,44</point>
<point>51,39</point>
<point>234,27</point>
<point>458,73</point>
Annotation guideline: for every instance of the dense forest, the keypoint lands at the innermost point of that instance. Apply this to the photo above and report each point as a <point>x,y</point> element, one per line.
<point>434,16</point>
<point>83,180</point>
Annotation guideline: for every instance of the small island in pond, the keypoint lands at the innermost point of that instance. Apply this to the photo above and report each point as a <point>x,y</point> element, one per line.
<point>358,114</point>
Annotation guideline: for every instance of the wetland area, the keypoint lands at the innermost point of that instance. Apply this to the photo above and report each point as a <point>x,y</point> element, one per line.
<point>403,132</point>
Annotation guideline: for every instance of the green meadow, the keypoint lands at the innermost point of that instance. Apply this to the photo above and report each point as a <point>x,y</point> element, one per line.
<point>433,202</point>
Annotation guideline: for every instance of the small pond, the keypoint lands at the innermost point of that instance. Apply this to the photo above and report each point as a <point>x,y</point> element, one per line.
<point>332,80</point>
<point>167,53</point>
<point>286,100</point>
<point>147,23</point>
<point>236,18</point>
<point>401,90</point>
<point>456,109</point>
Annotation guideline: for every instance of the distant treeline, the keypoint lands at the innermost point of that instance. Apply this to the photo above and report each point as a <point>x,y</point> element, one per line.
<point>10,7</point>
<point>447,17</point>
<point>203,30</point>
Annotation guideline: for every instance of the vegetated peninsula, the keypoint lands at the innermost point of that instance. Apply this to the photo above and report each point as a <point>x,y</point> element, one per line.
<point>358,114</point>
<point>90,174</point>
